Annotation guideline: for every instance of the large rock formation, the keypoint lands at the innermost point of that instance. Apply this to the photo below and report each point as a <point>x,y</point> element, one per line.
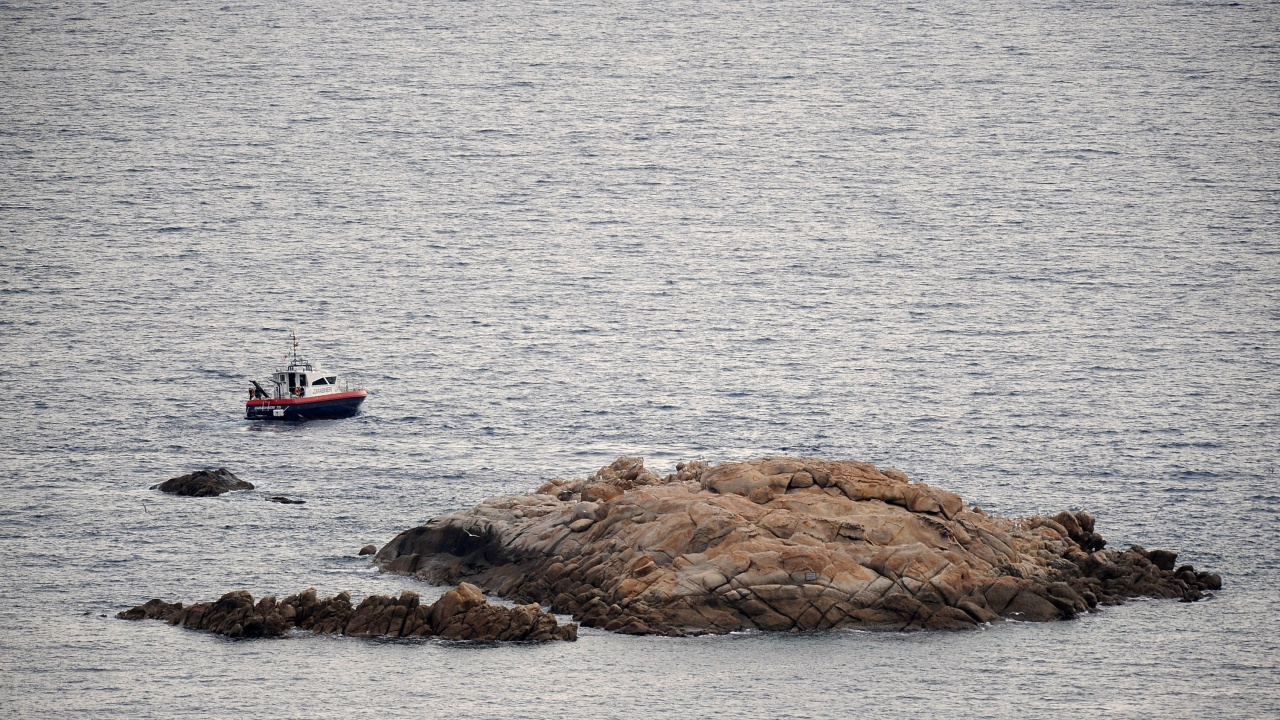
<point>460,614</point>
<point>778,544</point>
<point>203,483</point>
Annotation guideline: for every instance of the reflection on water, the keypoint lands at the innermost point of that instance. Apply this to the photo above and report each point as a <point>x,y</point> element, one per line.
<point>1023,253</point>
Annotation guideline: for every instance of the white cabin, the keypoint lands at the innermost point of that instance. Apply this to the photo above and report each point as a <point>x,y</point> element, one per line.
<point>304,379</point>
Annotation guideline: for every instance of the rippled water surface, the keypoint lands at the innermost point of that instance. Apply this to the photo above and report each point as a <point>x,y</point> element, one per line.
<point>1029,252</point>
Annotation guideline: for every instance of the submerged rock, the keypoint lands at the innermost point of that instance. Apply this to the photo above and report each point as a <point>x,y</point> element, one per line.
<point>203,483</point>
<point>460,614</point>
<point>778,544</point>
<point>285,501</point>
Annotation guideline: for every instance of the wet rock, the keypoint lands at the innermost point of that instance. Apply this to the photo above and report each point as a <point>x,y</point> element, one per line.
<point>1163,559</point>
<point>285,501</point>
<point>151,609</point>
<point>368,550</point>
<point>776,544</point>
<point>460,614</point>
<point>203,483</point>
<point>1033,606</point>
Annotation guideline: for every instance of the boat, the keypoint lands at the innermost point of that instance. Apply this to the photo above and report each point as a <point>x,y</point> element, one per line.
<point>302,391</point>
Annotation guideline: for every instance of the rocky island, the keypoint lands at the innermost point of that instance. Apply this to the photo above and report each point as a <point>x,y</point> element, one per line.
<point>779,544</point>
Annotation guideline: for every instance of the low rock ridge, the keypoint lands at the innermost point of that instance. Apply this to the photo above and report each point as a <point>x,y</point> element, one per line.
<point>779,544</point>
<point>462,613</point>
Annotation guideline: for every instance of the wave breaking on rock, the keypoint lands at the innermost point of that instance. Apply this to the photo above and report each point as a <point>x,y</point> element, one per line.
<point>779,544</point>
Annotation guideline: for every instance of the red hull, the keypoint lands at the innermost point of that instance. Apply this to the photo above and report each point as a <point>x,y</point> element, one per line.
<point>332,405</point>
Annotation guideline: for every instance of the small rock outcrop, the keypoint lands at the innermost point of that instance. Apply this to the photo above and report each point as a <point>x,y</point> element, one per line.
<point>779,544</point>
<point>368,550</point>
<point>462,613</point>
<point>285,501</point>
<point>203,483</point>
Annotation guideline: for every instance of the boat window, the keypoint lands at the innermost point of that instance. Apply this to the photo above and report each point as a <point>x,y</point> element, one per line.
<point>331,380</point>
<point>302,380</point>
<point>293,380</point>
<point>321,381</point>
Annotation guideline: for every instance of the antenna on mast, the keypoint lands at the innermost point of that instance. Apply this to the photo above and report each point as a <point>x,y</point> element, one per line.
<point>294,337</point>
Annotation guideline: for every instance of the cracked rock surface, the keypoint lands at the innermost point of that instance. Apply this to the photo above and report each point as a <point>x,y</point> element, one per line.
<point>460,614</point>
<point>779,544</point>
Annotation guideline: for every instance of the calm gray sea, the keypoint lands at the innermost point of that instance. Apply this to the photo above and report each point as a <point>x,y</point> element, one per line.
<point>1027,251</point>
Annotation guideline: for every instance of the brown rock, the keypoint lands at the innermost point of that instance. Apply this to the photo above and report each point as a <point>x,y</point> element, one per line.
<point>368,550</point>
<point>801,480</point>
<point>1086,521</point>
<point>203,483</point>
<point>977,612</point>
<point>600,492</point>
<point>1031,605</point>
<point>155,609</point>
<point>454,603</point>
<point>464,613</point>
<point>1069,522</point>
<point>773,544</point>
<point>746,480</point>
<point>950,618</point>
<point>1162,559</point>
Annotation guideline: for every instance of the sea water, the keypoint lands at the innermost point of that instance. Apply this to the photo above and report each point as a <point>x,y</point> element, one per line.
<point>1028,252</point>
